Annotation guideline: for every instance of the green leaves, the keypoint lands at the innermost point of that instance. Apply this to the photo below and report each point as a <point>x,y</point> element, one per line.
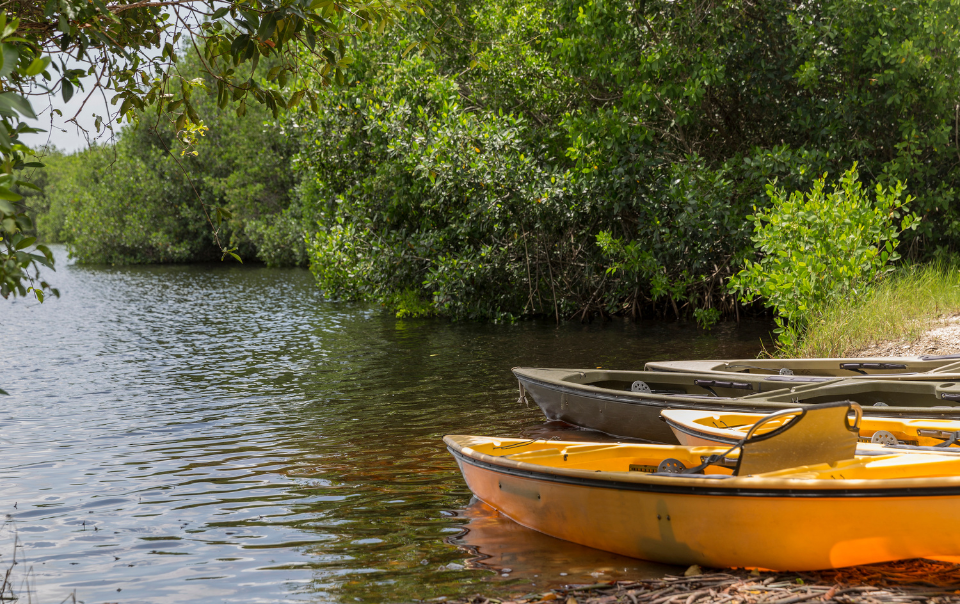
<point>38,66</point>
<point>19,270</point>
<point>12,105</point>
<point>656,128</point>
<point>6,195</point>
<point>231,252</point>
<point>817,247</point>
<point>66,90</point>
<point>25,243</point>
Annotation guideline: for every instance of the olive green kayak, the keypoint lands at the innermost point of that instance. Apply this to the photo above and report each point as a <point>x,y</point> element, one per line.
<point>838,367</point>
<point>628,403</point>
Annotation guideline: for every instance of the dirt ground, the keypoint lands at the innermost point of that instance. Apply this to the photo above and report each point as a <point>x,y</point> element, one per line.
<point>942,338</point>
<point>920,581</point>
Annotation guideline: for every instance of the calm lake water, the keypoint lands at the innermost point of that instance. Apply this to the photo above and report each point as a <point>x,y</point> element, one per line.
<point>221,433</point>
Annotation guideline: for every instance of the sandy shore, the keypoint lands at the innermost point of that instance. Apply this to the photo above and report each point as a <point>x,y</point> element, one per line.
<point>943,337</point>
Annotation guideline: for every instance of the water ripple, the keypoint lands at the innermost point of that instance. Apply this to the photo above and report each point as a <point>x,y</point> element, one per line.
<point>189,433</point>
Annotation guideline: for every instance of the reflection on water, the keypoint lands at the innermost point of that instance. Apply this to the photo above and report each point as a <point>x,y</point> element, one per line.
<point>537,561</point>
<point>198,433</point>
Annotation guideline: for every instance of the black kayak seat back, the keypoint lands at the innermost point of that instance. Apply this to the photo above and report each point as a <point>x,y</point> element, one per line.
<point>816,435</point>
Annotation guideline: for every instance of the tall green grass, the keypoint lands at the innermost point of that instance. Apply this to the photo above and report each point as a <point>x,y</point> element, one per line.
<point>901,306</point>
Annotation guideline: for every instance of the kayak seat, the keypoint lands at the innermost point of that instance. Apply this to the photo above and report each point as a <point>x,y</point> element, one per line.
<point>815,435</point>
<point>821,434</point>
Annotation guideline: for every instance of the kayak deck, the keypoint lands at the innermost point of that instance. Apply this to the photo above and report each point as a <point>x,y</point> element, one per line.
<point>832,367</point>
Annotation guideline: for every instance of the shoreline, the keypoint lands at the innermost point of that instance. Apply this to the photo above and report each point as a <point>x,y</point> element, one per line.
<point>914,311</point>
<point>942,337</point>
<point>919,580</point>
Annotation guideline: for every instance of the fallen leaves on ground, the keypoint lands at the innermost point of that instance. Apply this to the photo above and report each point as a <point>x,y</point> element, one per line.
<point>920,581</point>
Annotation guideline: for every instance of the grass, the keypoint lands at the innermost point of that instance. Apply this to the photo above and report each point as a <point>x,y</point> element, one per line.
<point>900,307</point>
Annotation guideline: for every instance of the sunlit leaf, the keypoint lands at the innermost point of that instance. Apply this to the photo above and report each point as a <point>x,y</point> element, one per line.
<point>37,66</point>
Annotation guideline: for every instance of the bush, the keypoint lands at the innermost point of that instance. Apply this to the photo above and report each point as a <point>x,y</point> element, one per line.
<point>816,247</point>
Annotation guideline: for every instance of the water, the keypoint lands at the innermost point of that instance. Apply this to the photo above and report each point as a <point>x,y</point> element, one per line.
<point>222,433</point>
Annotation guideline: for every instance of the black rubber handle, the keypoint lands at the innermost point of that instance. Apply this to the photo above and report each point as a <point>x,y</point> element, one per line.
<point>720,384</point>
<point>856,366</point>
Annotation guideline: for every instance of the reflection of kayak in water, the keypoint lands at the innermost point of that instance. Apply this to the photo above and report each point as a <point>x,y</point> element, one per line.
<point>798,498</point>
<point>498,543</point>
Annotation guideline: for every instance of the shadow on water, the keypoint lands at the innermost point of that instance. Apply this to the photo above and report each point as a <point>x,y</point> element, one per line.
<point>188,433</point>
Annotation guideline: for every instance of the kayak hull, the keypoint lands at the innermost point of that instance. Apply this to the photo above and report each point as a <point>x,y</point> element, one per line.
<point>562,396</point>
<point>890,367</point>
<point>776,529</point>
<point>637,417</point>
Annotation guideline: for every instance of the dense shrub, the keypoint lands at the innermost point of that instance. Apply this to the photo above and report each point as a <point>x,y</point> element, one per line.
<point>600,156</point>
<point>817,247</point>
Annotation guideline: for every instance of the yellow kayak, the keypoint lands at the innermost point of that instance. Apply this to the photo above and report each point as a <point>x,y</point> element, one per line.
<point>716,428</point>
<point>798,497</point>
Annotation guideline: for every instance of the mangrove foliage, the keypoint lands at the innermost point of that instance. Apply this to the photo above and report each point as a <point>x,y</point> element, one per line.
<point>494,159</point>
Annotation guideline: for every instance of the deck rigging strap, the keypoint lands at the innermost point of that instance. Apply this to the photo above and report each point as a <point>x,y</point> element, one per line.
<point>954,436</point>
<point>709,385</point>
<point>527,442</point>
<point>859,367</point>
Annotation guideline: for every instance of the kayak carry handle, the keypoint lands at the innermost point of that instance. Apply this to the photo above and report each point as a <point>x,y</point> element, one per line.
<point>939,357</point>
<point>859,367</point>
<point>711,384</point>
